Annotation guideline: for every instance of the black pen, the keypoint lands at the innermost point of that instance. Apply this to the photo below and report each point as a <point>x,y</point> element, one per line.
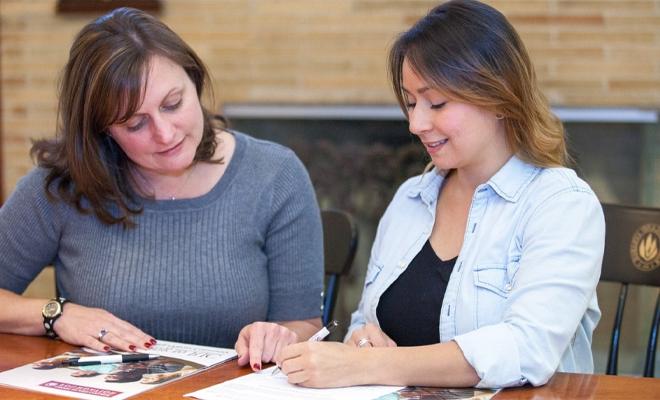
<point>116,358</point>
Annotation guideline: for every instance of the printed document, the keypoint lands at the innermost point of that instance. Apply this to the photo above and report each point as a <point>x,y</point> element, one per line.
<point>266,386</point>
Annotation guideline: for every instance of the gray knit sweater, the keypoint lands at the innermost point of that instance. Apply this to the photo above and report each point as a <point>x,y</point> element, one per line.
<point>193,270</point>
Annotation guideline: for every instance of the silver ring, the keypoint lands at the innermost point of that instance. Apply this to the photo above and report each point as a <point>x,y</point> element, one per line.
<point>363,342</point>
<point>102,333</point>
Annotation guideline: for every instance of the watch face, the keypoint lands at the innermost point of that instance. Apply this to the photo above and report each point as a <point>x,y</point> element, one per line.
<point>51,309</point>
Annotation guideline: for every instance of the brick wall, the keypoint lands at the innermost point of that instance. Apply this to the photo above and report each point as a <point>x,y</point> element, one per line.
<point>587,52</point>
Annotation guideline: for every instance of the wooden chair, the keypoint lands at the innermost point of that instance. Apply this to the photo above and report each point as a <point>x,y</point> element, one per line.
<point>340,243</point>
<point>632,256</point>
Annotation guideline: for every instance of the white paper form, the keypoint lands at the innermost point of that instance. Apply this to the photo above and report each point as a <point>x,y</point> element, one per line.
<point>264,385</point>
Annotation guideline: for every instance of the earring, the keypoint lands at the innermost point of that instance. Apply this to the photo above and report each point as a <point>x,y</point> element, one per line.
<point>499,116</point>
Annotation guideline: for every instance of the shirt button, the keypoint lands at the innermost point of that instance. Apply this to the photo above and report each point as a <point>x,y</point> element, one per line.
<point>402,264</point>
<point>508,287</point>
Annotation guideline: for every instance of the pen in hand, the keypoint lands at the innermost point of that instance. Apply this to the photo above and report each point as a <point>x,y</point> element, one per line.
<point>317,337</point>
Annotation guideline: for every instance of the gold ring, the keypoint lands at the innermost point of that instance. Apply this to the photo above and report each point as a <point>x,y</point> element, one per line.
<point>363,342</point>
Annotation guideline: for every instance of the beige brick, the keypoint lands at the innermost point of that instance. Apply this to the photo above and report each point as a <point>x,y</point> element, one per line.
<point>643,21</point>
<point>566,52</point>
<point>407,6</point>
<point>607,38</point>
<point>556,20</point>
<point>517,7</point>
<point>633,53</point>
<point>607,6</point>
<point>577,85</point>
<point>571,69</point>
<point>636,85</point>
<point>311,7</point>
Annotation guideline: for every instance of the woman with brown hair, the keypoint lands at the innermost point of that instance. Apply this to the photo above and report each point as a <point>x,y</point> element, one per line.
<point>484,268</point>
<point>160,222</point>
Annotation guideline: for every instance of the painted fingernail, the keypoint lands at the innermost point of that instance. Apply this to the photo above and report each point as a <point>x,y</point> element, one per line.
<point>256,367</point>
<point>153,341</point>
<point>132,347</point>
<point>106,348</point>
<point>147,344</point>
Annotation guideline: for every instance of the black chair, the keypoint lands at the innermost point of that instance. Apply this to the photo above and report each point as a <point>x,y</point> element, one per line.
<point>340,243</point>
<point>632,247</point>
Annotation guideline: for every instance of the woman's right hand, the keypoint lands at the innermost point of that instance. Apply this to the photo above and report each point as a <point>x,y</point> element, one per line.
<point>82,326</point>
<point>370,335</point>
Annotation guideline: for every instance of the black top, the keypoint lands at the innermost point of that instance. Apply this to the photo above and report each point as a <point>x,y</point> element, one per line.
<point>409,310</point>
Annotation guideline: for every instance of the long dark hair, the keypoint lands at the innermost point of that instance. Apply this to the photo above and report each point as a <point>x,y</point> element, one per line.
<point>470,51</point>
<point>102,84</point>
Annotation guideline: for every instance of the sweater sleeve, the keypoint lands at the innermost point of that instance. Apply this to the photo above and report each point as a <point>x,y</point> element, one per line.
<point>294,246</point>
<point>29,233</point>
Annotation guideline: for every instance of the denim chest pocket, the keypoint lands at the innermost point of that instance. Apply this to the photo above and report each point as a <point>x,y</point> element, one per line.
<point>493,284</point>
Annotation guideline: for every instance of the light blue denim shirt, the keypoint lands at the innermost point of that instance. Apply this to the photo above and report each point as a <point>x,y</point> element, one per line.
<point>521,300</point>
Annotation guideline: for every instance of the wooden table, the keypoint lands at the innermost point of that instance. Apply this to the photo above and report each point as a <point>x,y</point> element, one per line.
<point>18,350</point>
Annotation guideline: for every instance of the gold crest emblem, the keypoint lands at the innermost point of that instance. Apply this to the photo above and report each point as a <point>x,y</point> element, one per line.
<point>645,247</point>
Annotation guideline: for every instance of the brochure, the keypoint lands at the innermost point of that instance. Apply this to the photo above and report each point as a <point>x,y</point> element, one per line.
<point>117,380</point>
<point>436,393</point>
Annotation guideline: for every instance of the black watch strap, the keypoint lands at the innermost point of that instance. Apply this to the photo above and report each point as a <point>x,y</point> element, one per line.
<point>49,321</point>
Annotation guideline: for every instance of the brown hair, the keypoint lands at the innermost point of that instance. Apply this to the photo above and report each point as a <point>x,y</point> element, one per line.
<point>471,52</point>
<point>102,84</point>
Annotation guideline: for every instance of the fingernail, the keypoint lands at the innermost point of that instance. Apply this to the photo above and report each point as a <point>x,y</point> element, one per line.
<point>147,344</point>
<point>256,367</point>
<point>153,341</point>
<point>106,348</point>
<point>132,347</point>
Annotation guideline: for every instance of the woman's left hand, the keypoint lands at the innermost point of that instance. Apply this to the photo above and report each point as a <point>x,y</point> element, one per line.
<point>321,364</point>
<point>261,342</point>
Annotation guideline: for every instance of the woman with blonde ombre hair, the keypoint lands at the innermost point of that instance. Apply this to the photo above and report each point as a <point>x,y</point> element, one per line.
<point>484,268</point>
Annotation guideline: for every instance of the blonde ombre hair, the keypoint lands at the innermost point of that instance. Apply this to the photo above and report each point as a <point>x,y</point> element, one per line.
<point>470,51</point>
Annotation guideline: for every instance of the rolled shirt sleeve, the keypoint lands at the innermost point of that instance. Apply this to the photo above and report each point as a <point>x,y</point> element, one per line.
<point>562,246</point>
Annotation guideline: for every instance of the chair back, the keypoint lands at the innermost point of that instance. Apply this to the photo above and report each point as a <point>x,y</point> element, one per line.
<point>632,256</point>
<point>340,242</point>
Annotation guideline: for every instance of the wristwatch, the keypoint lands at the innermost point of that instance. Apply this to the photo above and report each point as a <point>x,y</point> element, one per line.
<point>51,312</point>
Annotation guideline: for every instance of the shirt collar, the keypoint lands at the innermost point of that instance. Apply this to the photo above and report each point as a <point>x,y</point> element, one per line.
<point>511,180</point>
<point>428,185</point>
